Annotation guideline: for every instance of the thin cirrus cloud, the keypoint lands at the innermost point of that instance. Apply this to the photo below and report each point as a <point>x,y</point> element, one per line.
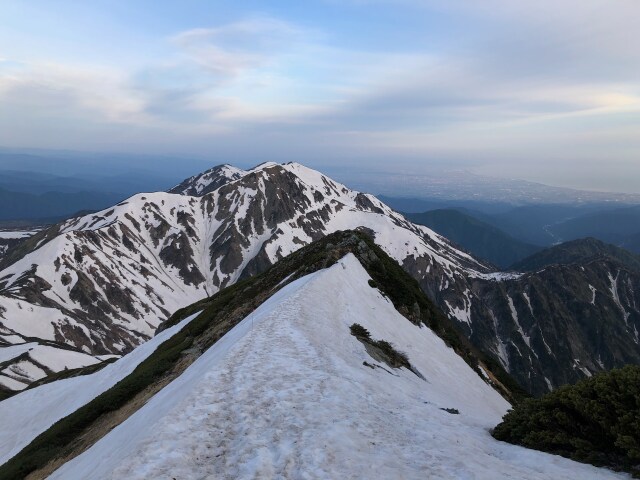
<point>498,86</point>
<point>228,51</point>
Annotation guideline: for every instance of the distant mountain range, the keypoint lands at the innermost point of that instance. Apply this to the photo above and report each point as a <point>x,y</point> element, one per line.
<point>543,225</point>
<point>54,205</point>
<point>578,252</point>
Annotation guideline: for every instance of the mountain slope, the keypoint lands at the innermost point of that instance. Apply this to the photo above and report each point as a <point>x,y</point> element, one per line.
<point>571,320</point>
<point>319,403</point>
<point>220,313</point>
<point>479,238</point>
<point>10,239</point>
<point>33,411</point>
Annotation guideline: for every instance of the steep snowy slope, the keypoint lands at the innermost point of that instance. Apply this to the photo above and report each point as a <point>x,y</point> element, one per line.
<point>26,415</point>
<point>23,363</point>
<point>287,394</point>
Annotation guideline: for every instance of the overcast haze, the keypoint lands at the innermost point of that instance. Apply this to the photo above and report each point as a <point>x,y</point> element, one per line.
<point>546,91</point>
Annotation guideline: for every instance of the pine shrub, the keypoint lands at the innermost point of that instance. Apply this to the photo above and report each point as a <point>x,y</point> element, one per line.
<point>359,331</point>
<point>595,421</point>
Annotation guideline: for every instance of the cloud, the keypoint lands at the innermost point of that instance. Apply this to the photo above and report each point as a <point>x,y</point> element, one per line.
<point>230,50</point>
<point>506,84</point>
<point>52,89</point>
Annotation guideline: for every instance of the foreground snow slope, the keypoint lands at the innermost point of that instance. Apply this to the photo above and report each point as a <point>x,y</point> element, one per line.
<point>285,394</point>
<point>26,415</point>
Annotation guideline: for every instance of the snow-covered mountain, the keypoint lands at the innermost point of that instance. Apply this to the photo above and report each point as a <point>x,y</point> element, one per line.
<point>290,392</point>
<point>101,284</point>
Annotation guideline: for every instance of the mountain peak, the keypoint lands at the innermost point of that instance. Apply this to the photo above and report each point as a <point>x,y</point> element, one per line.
<point>209,180</point>
<point>220,175</point>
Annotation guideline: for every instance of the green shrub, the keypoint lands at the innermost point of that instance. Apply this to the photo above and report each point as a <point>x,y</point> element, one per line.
<point>358,330</point>
<point>396,356</point>
<point>595,421</point>
<point>452,411</point>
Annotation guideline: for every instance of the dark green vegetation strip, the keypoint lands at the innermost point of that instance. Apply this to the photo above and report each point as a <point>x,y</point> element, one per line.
<point>224,310</point>
<point>4,394</point>
<point>595,421</point>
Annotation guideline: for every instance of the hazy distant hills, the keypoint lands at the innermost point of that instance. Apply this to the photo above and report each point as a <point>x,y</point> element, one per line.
<point>49,186</point>
<point>548,225</point>
<point>542,224</point>
<point>55,205</point>
<point>490,243</point>
<point>578,251</point>
<point>619,226</point>
<point>479,238</point>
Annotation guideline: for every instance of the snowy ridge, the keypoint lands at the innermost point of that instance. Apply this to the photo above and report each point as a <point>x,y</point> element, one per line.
<point>285,394</point>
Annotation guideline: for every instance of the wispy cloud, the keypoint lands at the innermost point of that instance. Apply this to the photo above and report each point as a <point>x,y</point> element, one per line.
<point>232,49</point>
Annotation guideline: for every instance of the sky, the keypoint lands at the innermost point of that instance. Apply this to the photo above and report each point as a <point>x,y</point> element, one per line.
<point>547,91</point>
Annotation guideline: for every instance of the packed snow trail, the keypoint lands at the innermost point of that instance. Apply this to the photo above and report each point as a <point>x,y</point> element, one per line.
<point>285,394</point>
